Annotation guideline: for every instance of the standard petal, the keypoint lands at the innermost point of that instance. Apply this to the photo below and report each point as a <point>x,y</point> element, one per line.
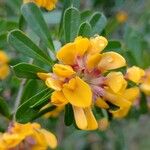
<point>97,44</point>
<point>111,60</point>
<point>78,95</point>
<point>80,117</point>
<point>63,70</point>
<point>67,54</point>
<point>82,45</point>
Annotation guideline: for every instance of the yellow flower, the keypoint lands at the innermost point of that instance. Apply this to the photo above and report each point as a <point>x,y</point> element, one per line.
<point>119,95</point>
<point>122,16</point>
<point>27,136</point>
<point>79,78</point>
<point>135,74</point>
<point>145,83</point>
<point>47,4</point>
<point>4,68</point>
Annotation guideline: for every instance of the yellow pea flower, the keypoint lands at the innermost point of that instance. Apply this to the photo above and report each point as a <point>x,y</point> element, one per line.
<point>79,78</point>
<point>145,83</point>
<point>27,136</point>
<point>122,16</point>
<point>4,68</point>
<point>47,4</point>
<point>135,74</point>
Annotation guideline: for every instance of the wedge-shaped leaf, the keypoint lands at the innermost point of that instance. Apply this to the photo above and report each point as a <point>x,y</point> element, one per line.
<point>98,22</point>
<point>26,113</point>
<point>4,108</point>
<point>24,45</point>
<point>85,29</point>
<point>71,23</point>
<point>69,117</point>
<point>25,70</point>
<point>35,20</point>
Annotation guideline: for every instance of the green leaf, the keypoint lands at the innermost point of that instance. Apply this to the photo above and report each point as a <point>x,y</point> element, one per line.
<point>29,90</point>
<point>85,15</point>
<point>143,104</point>
<point>24,45</point>
<point>6,26</point>
<point>98,22</point>
<point>35,20</point>
<point>4,108</point>
<point>85,29</point>
<point>71,23</point>
<point>25,113</point>
<point>3,40</point>
<point>69,117</point>
<point>25,70</point>
<point>113,46</point>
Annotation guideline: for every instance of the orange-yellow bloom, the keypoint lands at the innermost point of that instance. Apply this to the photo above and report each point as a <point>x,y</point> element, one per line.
<point>4,68</point>
<point>27,136</point>
<point>145,83</point>
<point>122,16</point>
<point>135,74</point>
<point>79,79</point>
<point>47,4</point>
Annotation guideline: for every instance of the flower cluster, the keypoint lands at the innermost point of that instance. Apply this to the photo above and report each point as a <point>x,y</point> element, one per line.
<point>84,77</point>
<point>4,68</point>
<point>27,137</point>
<point>47,4</point>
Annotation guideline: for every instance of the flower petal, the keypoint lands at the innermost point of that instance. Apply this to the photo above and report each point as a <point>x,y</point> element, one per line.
<point>63,70</point>
<point>120,113</point>
<point>54,84</point>
<point>43,76</point>
<point>91,121</point>
<point>98,43</point>
<point>117,99</point>
<point>101,103</point>
<point>3,57</point>
<point>4,71</point>
<point>58,98</point>
<point>50,138</point>
<point>80,95</point>
<point>93,60</point>
<point>82,45</point>
<point>67,54</point>
<point>80,117</point>
<point>131,94</point>
<point>135,74</point>
<point>111,60</point>
<point>115,80</point>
